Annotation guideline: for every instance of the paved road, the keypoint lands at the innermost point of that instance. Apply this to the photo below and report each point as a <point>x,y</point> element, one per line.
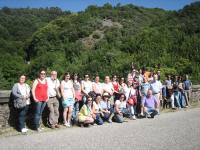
<point>179,130</point>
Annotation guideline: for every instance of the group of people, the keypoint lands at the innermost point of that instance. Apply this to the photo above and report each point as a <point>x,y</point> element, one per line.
<point>87,102</point>
<point>177,91</point>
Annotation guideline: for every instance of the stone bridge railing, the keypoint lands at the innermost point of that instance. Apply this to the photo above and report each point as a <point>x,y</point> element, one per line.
<point>8,117</point>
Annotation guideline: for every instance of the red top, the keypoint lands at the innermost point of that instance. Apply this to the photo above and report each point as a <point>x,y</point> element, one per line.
<point>116,86</point>
<point>41,91</point>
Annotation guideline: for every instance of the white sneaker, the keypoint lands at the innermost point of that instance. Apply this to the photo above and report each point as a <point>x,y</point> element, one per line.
<point>40,129</point>
<point>24,130</point>
<point>67,124</point>
<point>133,117</point>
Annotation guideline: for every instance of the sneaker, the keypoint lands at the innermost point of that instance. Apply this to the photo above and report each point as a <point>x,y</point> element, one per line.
<point>133,117</point>
<point>109,121</point>
<point>148,116</point>
<point>67,124</point>
<point>24,130</point>
<point>152,115</point>
<point>39,130</point>
<point>141,115</point>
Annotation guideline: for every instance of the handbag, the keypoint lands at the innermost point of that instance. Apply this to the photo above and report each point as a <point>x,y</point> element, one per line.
<point>132,100</point>
<point>19,103</point>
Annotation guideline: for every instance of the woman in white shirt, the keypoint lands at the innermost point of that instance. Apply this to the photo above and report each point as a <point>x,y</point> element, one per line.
<point>86,87</point>
<point>21,95</point>
<point>97,86</point>
<point>68,94</point>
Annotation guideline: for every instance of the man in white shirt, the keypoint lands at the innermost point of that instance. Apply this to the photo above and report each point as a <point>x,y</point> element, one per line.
<point>53,103</point>
<point>108,88</point>
<point>156,87</point>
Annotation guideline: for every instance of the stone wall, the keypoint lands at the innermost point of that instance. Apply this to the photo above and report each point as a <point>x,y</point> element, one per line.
<point>195,93</point>
<point>8,113</point>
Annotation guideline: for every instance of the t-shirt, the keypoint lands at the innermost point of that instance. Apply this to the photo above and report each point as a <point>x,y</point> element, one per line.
<point>129,91</point>
<point>96,106</point>
<point>141,78</point>
<point>120,105</point>
<point>105,105</point>
<point>87,86</point>
<point>168,83</point>
<point>98,86</point>
<point>144,88</point>
<point>115,86</point>
<point>149,102</point>
<point>52,85</point>
<point>187,84</point>
<point>156,86</point>
<point>77,86</point>
<point>108,87</point>
<point>68,88</point>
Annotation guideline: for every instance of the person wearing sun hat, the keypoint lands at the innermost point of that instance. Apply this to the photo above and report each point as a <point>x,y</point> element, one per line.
<point>107,109</point>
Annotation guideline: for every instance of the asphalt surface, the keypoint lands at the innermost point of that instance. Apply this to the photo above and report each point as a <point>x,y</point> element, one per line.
<point>176,131</point>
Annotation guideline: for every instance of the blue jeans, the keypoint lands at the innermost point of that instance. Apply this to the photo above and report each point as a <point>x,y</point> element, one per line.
<point>22,117</point>
<point>177,100</point>
<point>126,112</point>
<point>118,118</point>
<point>75,111</point>
<point>39,107</point>
<point>98,119</point>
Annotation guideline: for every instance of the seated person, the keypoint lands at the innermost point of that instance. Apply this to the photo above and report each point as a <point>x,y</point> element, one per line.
<point>106,108</point>
<point>96,107</point>
<point>121,109</point>
<point>149,105</point>
<point>86,115</point>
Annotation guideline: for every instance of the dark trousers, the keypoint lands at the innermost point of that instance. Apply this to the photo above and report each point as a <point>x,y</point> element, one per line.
<point>21,113</point>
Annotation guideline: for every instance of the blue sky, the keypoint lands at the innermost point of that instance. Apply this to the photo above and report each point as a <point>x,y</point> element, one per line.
<point>79,5</point>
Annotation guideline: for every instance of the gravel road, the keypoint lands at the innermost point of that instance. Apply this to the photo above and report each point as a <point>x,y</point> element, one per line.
<point>175,131</point>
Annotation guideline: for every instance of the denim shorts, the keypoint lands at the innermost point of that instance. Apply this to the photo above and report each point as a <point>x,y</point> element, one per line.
<point>69,102</point>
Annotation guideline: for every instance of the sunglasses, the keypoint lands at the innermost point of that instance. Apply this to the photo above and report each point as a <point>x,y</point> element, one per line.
<point>43,73</point>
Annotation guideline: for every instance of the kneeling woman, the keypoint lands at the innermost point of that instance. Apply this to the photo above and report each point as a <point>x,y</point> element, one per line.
<point>97,110</point>
<point>21,95</point>
<point>121,109</point>
<point>86,115</point>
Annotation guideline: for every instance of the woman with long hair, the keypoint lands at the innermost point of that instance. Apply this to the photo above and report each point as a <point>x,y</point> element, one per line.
<point>68,96</point>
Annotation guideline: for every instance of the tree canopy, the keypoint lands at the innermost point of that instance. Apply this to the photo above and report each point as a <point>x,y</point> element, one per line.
<point>101,40</point>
